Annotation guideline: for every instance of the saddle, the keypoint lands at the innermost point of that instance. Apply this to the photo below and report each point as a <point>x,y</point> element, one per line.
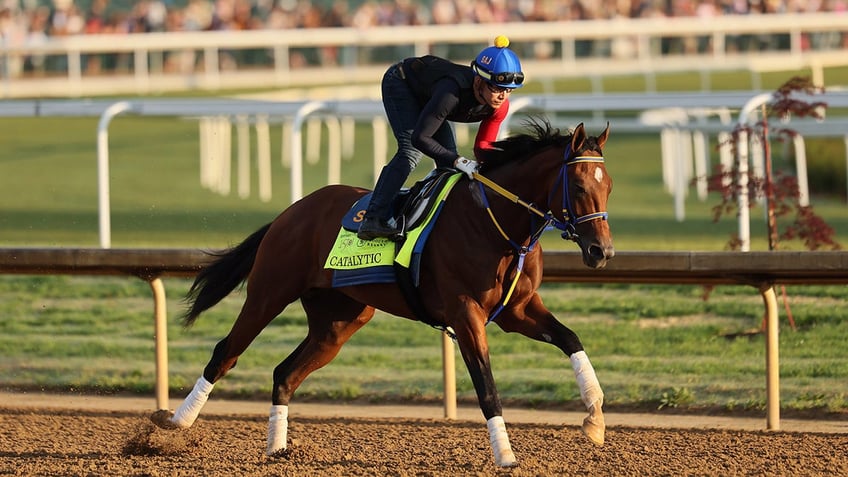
<point>415,209</point>
<point>409,207</point>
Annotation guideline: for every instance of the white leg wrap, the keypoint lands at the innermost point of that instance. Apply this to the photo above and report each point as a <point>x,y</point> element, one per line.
<point>278,427</point>
<point>590,388</point>
<point>500,442</point>
<point>592,396</point>
<point>190,408</point>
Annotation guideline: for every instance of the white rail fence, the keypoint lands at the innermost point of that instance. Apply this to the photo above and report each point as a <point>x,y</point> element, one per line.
<point>683,121</point>
<point>592,49</point>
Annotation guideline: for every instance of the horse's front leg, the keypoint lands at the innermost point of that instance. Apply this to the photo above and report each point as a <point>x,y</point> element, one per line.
<point>474,347</point>
<point>535,321</point>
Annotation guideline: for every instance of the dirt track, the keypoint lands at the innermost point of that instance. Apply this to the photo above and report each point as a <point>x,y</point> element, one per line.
<point>43,440</point>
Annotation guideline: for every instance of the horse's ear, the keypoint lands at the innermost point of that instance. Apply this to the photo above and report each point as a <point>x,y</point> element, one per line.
<point>578,137</point>
<point>602,139</point>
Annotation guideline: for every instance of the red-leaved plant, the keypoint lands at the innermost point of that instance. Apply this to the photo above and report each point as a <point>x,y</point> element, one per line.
<point>779,188</point>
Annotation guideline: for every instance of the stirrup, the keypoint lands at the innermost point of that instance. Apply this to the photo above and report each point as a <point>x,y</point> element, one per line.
<point>379,228</point>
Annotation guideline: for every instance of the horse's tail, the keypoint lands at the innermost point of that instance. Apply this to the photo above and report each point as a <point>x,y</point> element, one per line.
<point>217,279</point>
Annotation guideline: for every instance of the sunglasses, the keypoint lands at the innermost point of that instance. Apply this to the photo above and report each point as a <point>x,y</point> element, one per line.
<point>497,89</point>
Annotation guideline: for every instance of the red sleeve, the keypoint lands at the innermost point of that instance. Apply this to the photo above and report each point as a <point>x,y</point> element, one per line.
<point>488,131</point>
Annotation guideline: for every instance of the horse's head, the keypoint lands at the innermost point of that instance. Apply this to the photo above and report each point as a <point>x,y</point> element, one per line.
<point>574,183</point>
<point>585,187</point>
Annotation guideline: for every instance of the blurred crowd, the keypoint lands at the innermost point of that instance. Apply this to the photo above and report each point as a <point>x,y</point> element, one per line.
<point>30,22</point>
<point>31,19</point>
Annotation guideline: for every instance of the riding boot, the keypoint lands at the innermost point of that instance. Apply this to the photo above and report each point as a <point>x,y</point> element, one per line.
<point>377,216</point>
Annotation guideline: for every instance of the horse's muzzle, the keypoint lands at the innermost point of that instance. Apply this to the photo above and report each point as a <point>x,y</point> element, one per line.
<point>596,255</point>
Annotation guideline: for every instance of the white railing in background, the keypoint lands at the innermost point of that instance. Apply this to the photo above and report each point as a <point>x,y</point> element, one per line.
<point>591,49</point>
<point>682,119</point>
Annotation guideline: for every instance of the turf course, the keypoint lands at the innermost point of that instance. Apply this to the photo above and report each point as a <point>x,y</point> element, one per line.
<point>653,346</point>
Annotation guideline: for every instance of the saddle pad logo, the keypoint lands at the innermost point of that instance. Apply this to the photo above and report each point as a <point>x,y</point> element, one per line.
<point>351,253</point>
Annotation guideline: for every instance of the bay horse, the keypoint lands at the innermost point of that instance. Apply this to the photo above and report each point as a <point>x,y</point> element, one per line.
<point>480,264</point>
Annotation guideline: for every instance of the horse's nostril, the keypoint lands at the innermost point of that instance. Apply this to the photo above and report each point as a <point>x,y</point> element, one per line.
<point>596,252</point>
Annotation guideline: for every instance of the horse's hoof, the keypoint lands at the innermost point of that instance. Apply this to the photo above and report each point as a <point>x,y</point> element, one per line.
<point>506,459</point>
<point>281,452</point>
<point>594,427</point>
<point>162,419</point>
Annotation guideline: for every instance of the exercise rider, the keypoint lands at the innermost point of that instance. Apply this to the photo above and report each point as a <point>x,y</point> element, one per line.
<point>420,96</point>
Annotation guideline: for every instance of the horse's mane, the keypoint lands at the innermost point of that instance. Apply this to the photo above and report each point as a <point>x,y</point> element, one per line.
<point>521,146</point>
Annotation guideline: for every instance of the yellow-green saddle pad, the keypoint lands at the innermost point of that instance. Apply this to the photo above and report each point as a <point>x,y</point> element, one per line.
<point>356,262</point>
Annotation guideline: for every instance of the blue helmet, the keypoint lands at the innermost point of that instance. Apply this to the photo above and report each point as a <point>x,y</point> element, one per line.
<point>499,65</point>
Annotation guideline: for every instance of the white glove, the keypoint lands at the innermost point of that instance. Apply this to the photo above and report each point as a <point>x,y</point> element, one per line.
<point>468,166</point>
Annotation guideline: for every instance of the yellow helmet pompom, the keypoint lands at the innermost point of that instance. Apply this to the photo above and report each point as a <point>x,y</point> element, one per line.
<point>501,41</point>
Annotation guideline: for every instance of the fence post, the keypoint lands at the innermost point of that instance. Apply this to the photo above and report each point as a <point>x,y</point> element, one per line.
<point>160,326</point>
<point>772,359</point>
<point>449,365</point>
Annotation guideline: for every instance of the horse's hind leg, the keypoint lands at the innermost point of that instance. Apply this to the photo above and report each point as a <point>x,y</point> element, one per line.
<point>264,302</point>
<point>333,318</point>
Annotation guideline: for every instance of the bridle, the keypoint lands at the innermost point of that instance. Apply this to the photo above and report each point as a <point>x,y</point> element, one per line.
<point>568,225</point>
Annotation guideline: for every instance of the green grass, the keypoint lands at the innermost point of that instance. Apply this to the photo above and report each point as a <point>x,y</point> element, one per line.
<point>652,346</point>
